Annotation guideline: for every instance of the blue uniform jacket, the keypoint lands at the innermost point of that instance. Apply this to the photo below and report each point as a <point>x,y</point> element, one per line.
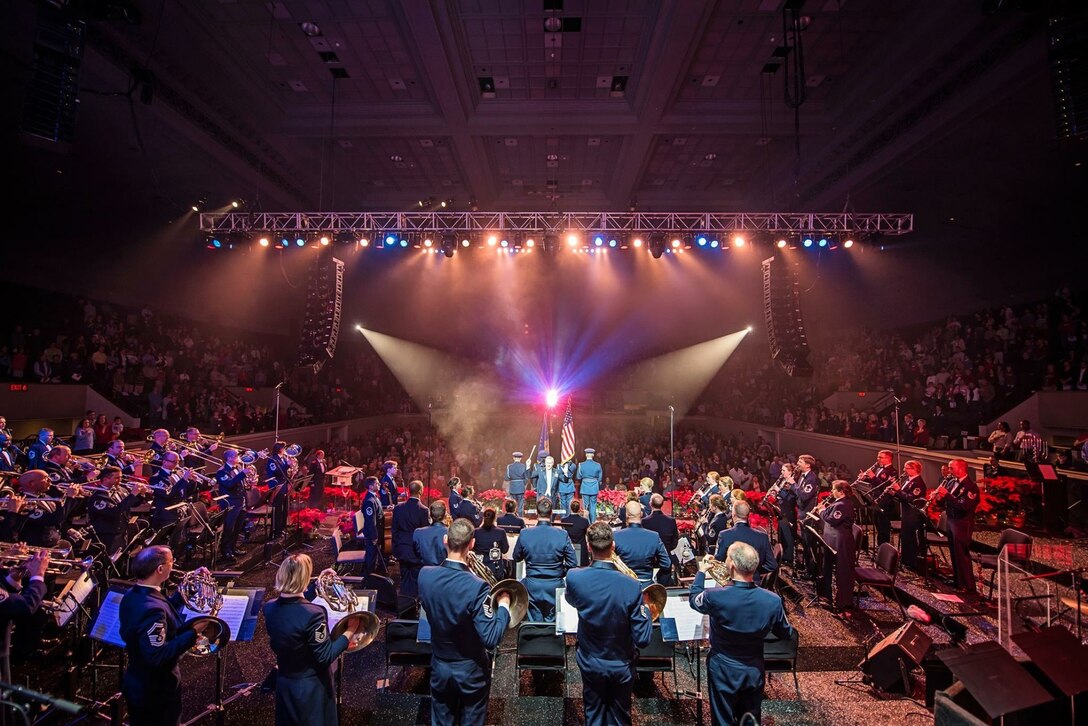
<point>511,520</point>
<point>547,551</point>
<point>462,629</point>
<point>741,616</point>
<point>807,489</point>
<point>149,627</point>
<point>371,507</point>
<point>613,620</point>
<point>515,477</point>
<point>492,542</point>
<point>567,473</point>
<point>741,532</point>
<point>641,550</point>
<point>468,510</point>
<point>589,476</point>
<point>298,632</point>
<point>232,483</point>
<point>429,545</point>
<point>407,518</point>
<point>387,491</point>
<point>168,489</point>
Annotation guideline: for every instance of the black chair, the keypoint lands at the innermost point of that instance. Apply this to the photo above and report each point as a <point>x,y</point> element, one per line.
<point>344,558</point>
<point>1019,545</point>
<point>402,649</point>
<point>780,656</point>
<point>257,508</point>
<point>859,540</point>
<point>540,649</point>
<point>881,577</point>
<point>658,657</point>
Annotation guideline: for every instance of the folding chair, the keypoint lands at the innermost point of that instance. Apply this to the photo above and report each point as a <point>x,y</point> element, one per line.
<point>347,558</point>
<point>780,656</point>
<point>881,577</point>
<point>540,649</point>
<point>1019,545</point>
<point>401,647</point>
<point>658,657</point>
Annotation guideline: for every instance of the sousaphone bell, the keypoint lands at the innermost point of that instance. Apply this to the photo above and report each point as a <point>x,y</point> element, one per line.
<point>341,599</point>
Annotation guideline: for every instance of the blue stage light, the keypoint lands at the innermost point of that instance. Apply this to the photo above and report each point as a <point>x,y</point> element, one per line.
<point>216,243</point>
<point>598,240</point>
<point>807,242</point>
<point>404,242</point>
<point>390,240</point>
<point>284,242</point>
<point>701,241</point>
<point>823,242</point>
<point>612,243</point>
<point>713,243</point>
<point>300,241</point>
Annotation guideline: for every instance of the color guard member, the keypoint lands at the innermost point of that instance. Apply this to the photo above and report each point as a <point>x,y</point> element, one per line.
<point>590,475</point>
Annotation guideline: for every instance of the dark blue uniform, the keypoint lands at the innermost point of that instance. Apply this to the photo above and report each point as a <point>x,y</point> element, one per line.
<point>589,477</point>
<point>490,546</point>
<point>613,623</point>
<point>454,502</point>
<point>516,474</point>
<point>387,491</point>
<point>41,527</point>
<point>879,478</point>
<point>838,519</point>
<point>298,632</point>
<point>912,540</point>
<point>576,526</point>
<point>15,603</point>
<point>407,518</point>
<point>742,532</point>
<point>150,628</point>
<point>468,510</point>
<point>666,528</point>
<point>548,554</point>
<point>741,616</point>
<point>232,483</point>
<point>108,513</point>
<point>276,477</point>
<point>808,488</point>
<point>641,550</point>
<point>787,521</point>
<point>168,489</point>
<point>959,506</point>
<point>463,631</point>
<point>371,509</point>
<point>717,525</point>
<point>511,522</point>
<point>429,544</point>
<point>317,484</point>
<point>35,455</point>
<point>127,468</point>
<point>567,472</point>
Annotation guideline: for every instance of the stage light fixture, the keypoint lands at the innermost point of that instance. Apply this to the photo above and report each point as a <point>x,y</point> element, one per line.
<point>701,240</point>
<point>530,242</point>
<point>234,204</point>
<point>364,242</point>
<point>263,242</point>
<point>428,242</point>
<point>636,242</point>
<point>215,242</point>
<point>714,243</point>
<point>492,240</point>
<point>572,239</point>
<point>284,242</point>
<point>657,245</point>
<point>848,243</point>
<point>300,241</point>
<point>598,240</point>
<point>612,242</point>
<point>325,240</point>
<point>675,243</point>
<point>465,242</point>
<point>344,237</point>
<point>823,241</point>
<point>807,242</point>
<point>195,208</point>
<point>390,240</point>
<point>504,243</point>
<point>738,240</point>
<point>781,243</point>
<point>403,242</point>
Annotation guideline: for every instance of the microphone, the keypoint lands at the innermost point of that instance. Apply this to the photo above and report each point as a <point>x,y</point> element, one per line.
<point>671,408</point>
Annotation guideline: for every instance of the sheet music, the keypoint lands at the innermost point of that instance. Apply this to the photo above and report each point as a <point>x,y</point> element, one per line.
<point>233,612</point>
<point>336,616</point>
<point>81,589</point>
<point>679,622</point>
<point>566,615</point>
<point>107,625</point>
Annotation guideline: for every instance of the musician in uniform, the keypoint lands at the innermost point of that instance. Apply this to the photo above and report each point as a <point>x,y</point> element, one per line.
<point>546,478</point>
<point>20,600</point>
<point>231,482</point>
<point>911,494</point>
<point>56,466</point>
<point>159,439</point>
<point>491,544</point>
<point>509,521</point>
<point>468,508</point>
<point>429,543</point>
<point>464,631</point>
<point>317,480</point>
<point>576,526</point>
<point>108,508</point>
<point>646,484</point>
<point>718,522</point>
<point>35,453</point>
<point>613,624</point>
<point>454,485</point>
<point>298,632</point>
<point>879,477</point>
<point>548,554</point>
<point>276,477</point>
<point>786,501</point>
<point>741,531</point>
<point>516,474</point>
<point>408,516</point>
<point>151,627</point>
<point>194,447</point>
<point>741,616</point>
<point>115,456</point>
<point>960,501</point>
<point>568,471</point>
<point>838,532</point>
<point>370,507</point>
<point>8,455</point>
<point>44,519</point>
<point>714,486</point>
<point>590,475</point>
<point>666,529</point>
<point>388,492</point>
<point>170,487</point>
<point>641,549</point>
<point>808,487</point>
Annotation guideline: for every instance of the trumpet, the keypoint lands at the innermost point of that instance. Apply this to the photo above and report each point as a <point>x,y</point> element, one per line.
<point>519,596</point>
<point>14,555</point>
<point>653,596</point>
<point>189,448</point>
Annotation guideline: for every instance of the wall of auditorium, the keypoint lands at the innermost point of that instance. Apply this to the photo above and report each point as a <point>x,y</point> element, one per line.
<point>1061,414</point>
<point>29,406</point>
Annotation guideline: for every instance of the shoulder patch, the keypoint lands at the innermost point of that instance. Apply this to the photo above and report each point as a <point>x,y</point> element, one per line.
<point>156,635</point>
<point>321,634</point>
<point>488,610</point>
<point>36,514</point>
<point>972,495</point>
<point>370,511</point>
<point>101,504</point>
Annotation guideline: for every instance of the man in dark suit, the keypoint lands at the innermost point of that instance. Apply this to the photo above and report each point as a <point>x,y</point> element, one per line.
<point>576,526</point>
<point>409,516</point>
<point>879,477</point>
<point>548,554</point>
<point>429,543</point>
<point>154,641</point>
<point>639,548</point>
<point>370,509</point>
<point>613,624</point>
<point>742,532</point>
<point>666,529</point>
<point>464,630</point>
<point>509,521</point>
<point>18,600</point>
<point>741,616</point>
<point>960,502</point>
<point>388,493</point>
<point>317,480</point>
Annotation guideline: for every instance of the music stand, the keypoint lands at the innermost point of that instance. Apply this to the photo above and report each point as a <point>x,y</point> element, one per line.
<point>680,623</point>
<point>820,570</point>
<point>105,629</point>
<point>982,665</point>
<point>1061,657</point>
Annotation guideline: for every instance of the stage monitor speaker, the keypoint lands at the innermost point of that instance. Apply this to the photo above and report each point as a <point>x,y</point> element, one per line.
<point>888,665</point>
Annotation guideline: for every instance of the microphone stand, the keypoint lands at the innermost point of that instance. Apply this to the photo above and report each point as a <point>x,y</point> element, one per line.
<point>672,449</point>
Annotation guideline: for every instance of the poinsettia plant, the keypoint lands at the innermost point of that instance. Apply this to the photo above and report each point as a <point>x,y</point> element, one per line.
<point>609,501</point>
<point>307,520</point>
<point>492,498</point>
<point>686,527</point>
<point>206,498</point>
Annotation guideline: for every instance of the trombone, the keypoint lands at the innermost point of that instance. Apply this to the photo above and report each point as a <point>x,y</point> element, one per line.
<point>189,448</point>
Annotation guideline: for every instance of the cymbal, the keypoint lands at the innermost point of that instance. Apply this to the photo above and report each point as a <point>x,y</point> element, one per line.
<point>1071,603</point>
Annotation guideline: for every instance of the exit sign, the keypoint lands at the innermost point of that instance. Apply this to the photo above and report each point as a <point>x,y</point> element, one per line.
<point>20,387</point>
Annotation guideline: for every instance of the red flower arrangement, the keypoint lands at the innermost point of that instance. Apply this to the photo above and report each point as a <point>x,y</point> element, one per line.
<point>307,520</point>
<point>492,498</point>
<point>430,494</point>
<point>758,521</point>
<point>530,495</point>
<point>206,498</point>
<point>609,501</point>
<point>686,527</point>
<point>346,524</point>
<point>1005,499</point>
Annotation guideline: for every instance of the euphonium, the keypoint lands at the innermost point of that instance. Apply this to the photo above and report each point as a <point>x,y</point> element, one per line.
<point>332,589</point>
<point>519,596</point>
<point>653,596</point>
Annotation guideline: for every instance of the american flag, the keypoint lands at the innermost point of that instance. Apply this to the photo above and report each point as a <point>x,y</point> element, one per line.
<point>567,452</point>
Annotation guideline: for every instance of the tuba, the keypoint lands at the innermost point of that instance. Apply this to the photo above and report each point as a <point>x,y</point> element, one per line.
<point>519,596</point>
<point>653,596</point>
<point>332,589</point>
<point>200,592</point>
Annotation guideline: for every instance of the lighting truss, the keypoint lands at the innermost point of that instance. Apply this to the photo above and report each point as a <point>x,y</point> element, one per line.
<point>539,223</point>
